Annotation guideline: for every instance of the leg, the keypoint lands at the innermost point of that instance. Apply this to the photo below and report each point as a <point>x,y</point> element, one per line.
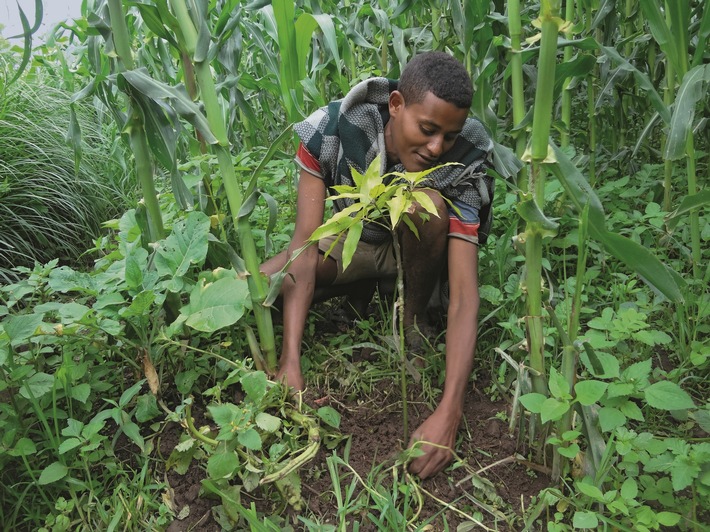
<point>423,260</point>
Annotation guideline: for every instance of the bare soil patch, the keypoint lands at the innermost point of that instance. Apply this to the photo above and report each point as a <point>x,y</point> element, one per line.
<point>374,426</point>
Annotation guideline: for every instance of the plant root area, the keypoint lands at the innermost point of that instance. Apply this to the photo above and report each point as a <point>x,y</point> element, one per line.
<point>489,484</point>
<point>374,428</point>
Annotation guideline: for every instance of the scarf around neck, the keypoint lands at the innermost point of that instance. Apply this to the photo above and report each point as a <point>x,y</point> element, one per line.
<point>350,133</point>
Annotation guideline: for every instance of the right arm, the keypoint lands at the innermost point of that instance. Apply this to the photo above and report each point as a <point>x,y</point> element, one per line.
<point>298,287</point>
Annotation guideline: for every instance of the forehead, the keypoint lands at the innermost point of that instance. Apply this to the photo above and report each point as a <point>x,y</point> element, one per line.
<point>434,111</point>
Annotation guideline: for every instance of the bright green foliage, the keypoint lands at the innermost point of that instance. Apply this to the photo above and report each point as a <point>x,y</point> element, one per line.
<point>609,225</point>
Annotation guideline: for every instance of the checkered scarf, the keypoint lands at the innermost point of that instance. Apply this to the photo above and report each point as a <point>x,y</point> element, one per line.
<point>350,133</point>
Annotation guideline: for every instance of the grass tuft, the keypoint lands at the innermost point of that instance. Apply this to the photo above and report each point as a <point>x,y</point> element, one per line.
<point>50,207</point>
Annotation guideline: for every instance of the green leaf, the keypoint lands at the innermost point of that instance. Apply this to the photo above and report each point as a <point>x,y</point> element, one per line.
<point>553,409</point>
<point>330,416</point>
<point>569,452</point>
<point>80,392</point>
<point>23,447</point>
<point>250,439</point>
<point>590,490</point>
<point>589,392</point>
<point>584,519</point>
<point>530,212</point>
<point>214,306</point>
<point>692,89</point>
<point>254,385</point>
<point>631,411</point>
<point>69,444</point>
<point>683,472</point>
<point>599,364</point>
<point>397,205</point>
<point>559,387</point>
<point>141,80</point>
<point>267,422</point>
<point>22,327</point>
<point>641,260</point>
<point>634,255</point>
<point>141,305</point>
<point>610,418</point>
<point>133,432</point>
<point>52,473</point>
<point>37,385</point>
<point>662,33</point>
<point>533,402</point>
<point>186,245</point>
<point>688,203</point>
<point>66,280</point>
<point>629,489</point>
<point>222,465</point>
<point>224,414</point>
<point>130,393</point>
<point>638,371</point>
<point>668,518</point>
<point>351,242</point>
<point>147,408</point>
<point>667,395</point>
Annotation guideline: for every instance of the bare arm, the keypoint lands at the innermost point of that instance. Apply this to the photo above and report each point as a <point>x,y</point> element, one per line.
<point>297,291</point>
<point>462,328</point>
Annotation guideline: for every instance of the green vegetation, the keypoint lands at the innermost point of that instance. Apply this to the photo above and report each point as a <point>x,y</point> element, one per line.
<point>123,322</point>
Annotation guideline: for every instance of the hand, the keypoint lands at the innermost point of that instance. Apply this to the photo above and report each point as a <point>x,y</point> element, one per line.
<point>439,429</point>
<point>290,375</point>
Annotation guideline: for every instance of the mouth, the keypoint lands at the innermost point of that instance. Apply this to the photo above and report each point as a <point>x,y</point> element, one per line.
<point>427,161</point>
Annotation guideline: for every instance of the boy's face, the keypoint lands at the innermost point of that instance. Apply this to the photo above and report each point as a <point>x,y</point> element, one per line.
<point>418,134</point>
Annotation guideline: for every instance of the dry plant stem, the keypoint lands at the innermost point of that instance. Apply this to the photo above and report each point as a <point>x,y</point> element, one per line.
<point>453,508</point>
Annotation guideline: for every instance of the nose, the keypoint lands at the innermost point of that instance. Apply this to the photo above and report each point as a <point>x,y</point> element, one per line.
<point>436,146</point>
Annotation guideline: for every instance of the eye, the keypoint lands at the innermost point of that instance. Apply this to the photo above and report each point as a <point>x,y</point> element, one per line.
<point>428,132</point>
<point>451,138</point>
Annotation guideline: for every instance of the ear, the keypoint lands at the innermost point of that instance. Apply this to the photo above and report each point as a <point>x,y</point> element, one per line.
<point>396,103</point>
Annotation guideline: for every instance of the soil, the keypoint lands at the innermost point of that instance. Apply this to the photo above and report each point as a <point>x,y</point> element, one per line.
<point>374,424</point>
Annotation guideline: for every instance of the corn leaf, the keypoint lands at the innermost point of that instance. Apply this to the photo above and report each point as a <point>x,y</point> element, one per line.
<point>661,32</point>
<point>689,203</point>
<point>177,97</point>
<point>642,79</point>
<point>305,26</point>
<point>692,89</point>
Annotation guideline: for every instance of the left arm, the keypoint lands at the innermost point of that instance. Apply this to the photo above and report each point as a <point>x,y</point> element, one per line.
<point>462,327</point>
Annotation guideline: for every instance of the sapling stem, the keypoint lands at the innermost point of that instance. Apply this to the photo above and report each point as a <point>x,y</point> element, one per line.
<point>400,334</point>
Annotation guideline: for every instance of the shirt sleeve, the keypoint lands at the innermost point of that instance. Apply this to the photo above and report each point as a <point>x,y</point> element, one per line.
<point>464,222</point>
<point>307,161</point>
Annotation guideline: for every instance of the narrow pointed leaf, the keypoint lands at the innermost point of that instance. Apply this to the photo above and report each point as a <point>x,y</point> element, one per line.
<point>644,263</point>
<point>351,242</point>
<point>689,203</point>
<point>641,79</point>
<point>661,32</point>
<point>177,97</point>
<point>692,89</point>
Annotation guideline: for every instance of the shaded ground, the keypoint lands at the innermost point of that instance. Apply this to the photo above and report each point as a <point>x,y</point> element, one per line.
<point>374,423</point>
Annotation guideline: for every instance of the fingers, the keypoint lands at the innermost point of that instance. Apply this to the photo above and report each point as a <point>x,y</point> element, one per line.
<point>432,462</point>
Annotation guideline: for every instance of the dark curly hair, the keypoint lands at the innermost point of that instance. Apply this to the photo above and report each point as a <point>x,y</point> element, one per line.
<point>438,73</point>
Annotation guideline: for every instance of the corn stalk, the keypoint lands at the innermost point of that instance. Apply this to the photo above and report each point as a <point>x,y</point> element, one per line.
<point>197,48</point>
<point>534,231</point>
<point>136,125</point>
